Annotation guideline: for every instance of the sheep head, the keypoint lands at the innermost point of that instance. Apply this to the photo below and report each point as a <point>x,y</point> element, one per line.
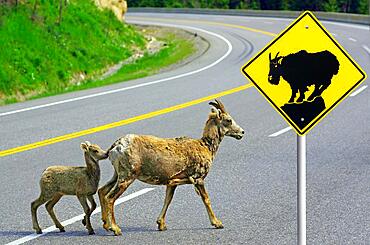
<point>224,121</point>
<point>94,151</point>
<point>275,71</point>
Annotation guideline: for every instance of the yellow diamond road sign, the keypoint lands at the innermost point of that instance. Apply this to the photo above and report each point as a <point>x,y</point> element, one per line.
<point>304,73</point>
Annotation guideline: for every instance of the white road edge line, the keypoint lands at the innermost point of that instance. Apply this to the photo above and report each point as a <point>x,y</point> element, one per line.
<point>230,48</point>
<point>357,26</point>
<point>366,48</point>
<point>280,132</point>
<point>352,39</point>
<point>78,218</point>
<point>358,91</point>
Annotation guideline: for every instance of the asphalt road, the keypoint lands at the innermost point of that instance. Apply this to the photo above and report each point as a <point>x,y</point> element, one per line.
<point>252,183</point>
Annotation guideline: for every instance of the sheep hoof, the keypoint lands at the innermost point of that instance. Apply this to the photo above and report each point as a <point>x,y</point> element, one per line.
<point>311,98</point>
<point>92,232</point>
<point>300,100</point>
<point>116,230</point>
<point>106,227</point>
<point>218,225</point>
<point>62,229</point>
<point>38,231</point>
<point>162,227</point>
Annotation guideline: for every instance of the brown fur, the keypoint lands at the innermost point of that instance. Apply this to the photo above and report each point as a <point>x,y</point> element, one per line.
<point>170,162</point>
<point>82,182</point>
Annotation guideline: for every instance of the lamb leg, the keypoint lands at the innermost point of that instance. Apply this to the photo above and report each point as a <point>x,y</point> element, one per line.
<point>49,207</point>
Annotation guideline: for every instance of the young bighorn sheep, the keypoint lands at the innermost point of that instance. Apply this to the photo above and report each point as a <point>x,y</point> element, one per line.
<point>169,162</point>
<point>82,182</point>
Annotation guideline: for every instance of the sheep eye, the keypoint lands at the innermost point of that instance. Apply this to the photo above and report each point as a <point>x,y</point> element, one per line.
<point>228,120</point>
<point>96,151</point>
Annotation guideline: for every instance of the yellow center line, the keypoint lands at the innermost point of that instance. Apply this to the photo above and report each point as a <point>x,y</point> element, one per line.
<point>120,123</point>
<point>210,23</point>
<point>143,116</point>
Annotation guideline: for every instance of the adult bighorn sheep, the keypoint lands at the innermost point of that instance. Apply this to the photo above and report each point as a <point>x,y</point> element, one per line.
<point>82,182</point>
<point>303,69</point>
<point>169,162</point>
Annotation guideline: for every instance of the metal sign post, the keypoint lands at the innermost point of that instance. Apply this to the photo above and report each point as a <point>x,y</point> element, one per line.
<point>301,189</point>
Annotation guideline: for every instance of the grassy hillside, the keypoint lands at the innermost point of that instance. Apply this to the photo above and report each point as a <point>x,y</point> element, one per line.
<point>178,47</point>
<point>39,56</point>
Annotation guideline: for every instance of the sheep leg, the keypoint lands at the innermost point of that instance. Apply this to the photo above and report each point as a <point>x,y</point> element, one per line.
<point>314,93</point>
<point>102,192</point>
<point>110,198</point>
<point>50,208</point>
<point>92,208</point>
<point>34,206</point>
<point>318,91</point>
<point>106,225</point>
<point>170,190</point>
<point>87,211</point>
<point>301,94</point>
<point>294,92</point>
<point>322,88</point>
<point>207,202</point>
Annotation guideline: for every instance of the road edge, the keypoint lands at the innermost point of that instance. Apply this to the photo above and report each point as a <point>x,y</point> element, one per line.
<point>328,16</point>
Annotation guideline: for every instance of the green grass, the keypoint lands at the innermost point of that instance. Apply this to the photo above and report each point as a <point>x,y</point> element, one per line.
<point>177,49</point>
<point>39,57</point>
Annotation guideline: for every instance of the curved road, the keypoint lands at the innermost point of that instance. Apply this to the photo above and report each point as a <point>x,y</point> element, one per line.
<point>253,182</point>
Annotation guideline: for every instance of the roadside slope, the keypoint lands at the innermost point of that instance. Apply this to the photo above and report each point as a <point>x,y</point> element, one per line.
<point>43,54</point>
<point>39,54</point>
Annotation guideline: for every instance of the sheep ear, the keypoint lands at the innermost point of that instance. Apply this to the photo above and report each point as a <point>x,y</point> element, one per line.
<point>215,112</point>
<point>87,143</point>
<point>84,147</point>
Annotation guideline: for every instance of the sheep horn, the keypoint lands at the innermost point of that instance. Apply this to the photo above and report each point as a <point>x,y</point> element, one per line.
<point>214,104</point>
<point>221,106</point>
<point>270,56</point>
<point>277,55</point>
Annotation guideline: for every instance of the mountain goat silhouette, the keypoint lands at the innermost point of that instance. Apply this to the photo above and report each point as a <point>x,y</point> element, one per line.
<point>303,69</point>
